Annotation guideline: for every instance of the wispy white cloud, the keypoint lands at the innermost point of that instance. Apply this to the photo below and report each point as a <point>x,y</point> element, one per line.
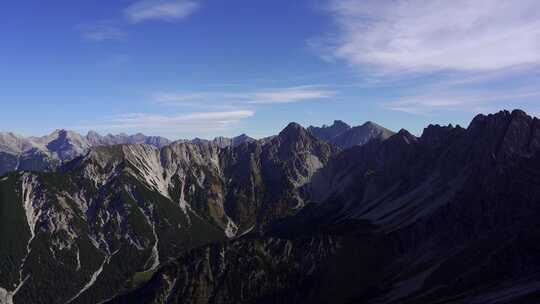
<point>212,112</point>
<point>174,125</point>
<point>440,35</point>
<point>163,10</point>
<point>438,56</point>
<point>235,98</point>
<point>101,31</point>
<point>289,95</point>
<point>472,101</point>
<point>194,99</point>
<point>139,11</point>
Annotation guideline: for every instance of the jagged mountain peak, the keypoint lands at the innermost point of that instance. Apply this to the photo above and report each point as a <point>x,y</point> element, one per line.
<point>293,126</point>
<point>296,138</point>
<point>95,139</point>
<point>496,119</point>
<point>63,134</point>
<point>336,126</point>
<point>340,123</point>
<point>405,133</point>
<point>293,131</point>
<point>435,135</point>
<point>243,136</point>
<point>404,136</point>
<point>370,124</point>
<point>344,136</point>
<point>502,134</point>
<point>13,143</point>
<point>224,142</point>
<point>328,133</point>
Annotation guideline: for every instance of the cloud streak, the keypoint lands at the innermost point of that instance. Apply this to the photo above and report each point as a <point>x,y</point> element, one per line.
<point>289,95</point>
<point>439,35</point>
<point>438,102</point>
<point>101,31</point>
<point>198,120</point>
<point>138,12</point>
<point>263,96</point>
<point>161,10</point>
<point>175,124</point>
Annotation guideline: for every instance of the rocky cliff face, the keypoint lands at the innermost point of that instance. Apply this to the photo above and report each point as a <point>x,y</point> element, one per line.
<point>449,217</point>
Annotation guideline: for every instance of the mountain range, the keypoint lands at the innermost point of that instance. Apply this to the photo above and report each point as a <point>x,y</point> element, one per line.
<point>336,214</point>
<point>344,136</point>
<point>47,153</point>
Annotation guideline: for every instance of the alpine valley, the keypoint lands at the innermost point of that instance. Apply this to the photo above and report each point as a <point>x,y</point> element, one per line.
<point>331,214</point>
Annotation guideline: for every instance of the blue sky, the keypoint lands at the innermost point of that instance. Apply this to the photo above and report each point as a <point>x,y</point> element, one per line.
<point>187,68</point>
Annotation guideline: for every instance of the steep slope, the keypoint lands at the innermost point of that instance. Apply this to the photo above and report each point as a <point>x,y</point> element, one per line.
<point>309,269</point>
<point>449,217</point>
<point>267,178</point>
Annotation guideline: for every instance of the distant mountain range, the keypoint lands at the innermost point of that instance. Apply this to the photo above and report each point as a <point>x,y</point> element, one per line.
<point>447,217</point>
<point>48,152</point>
<point>344,136</point>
